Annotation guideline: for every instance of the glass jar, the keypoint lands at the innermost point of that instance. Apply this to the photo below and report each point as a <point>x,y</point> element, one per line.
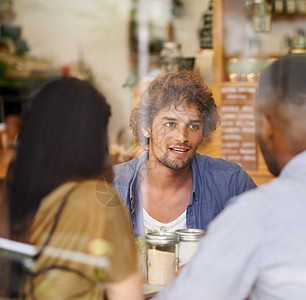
<point>169,57</point>
<point>262,15</point>
<point>301,6</point>
<point>162,260</point>
<point>188,243</point>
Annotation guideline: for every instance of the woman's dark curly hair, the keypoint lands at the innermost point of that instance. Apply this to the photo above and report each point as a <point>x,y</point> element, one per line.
<point>181,88</point>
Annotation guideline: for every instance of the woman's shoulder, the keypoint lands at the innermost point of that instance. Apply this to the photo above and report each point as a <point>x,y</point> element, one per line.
<point>102,191</point>
<point>90,191</point>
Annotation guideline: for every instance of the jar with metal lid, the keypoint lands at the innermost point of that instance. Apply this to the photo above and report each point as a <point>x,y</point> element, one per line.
<point>188,243</point>
<point>162,260</point>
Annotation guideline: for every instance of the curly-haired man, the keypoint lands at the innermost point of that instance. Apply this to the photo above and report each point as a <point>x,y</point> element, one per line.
<point>171,186</point>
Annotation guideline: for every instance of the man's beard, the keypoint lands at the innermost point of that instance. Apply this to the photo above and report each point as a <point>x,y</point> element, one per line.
<point>173,164</point>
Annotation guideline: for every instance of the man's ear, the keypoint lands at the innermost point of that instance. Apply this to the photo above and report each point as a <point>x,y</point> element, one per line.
<point>146,132</point>
<point>266,129</point>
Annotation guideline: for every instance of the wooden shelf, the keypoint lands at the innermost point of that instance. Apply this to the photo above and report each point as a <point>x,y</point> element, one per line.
<point>212,146</point>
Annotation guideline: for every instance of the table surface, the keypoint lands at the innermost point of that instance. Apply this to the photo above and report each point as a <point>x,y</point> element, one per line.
<point>150,290</point>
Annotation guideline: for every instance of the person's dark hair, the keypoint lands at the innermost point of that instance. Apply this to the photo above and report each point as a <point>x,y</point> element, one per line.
<point>282,96</point>
<point>63,138</point>
<point>284,81</point>
<point>181,88</point>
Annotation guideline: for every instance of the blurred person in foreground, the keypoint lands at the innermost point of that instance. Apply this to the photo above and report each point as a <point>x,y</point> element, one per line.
<point>57,197</point>
<point>255,248</point>
<point>171,186</point>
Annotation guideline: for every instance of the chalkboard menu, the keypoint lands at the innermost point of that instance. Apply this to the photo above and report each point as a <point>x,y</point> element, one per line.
<point>238,125</point>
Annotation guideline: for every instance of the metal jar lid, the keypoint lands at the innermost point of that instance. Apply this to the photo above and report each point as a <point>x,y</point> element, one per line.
<point>161,238</point>
<point>190,234</point>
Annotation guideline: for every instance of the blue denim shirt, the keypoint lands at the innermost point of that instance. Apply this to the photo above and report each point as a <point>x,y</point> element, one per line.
<point>214,182</point>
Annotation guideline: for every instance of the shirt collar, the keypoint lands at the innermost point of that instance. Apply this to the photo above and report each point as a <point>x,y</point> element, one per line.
<point>296,164</point>
<point>137,176</point>
<point>195,179</point>
<point>141,160</point>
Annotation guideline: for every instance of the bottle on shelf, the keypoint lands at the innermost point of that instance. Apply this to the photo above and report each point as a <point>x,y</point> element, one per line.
<point>288,7</point>
<point>291,7</point>
<point>301,7</point>
<point>277,7</point>
<point>204,58</point>
<point>261,16</point>
<point>205,34</point>
<point>169,57</point>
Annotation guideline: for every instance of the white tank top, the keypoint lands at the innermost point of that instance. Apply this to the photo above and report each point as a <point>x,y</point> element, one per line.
<point>151,224</point>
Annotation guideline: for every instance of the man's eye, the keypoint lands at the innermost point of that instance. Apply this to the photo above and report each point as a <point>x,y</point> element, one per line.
<point>170,124</point>
<point>193,126</point>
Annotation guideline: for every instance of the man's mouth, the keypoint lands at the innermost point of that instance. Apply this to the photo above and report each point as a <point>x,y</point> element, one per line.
<point>179,150</point>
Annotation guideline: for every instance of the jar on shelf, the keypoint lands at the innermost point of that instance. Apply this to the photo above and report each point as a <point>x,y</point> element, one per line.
<point>261,15</point>
<point>162,258</point>
<point>278,7</point>
<point>291,7</point>
<point>301,7</point>
<point>169,57</point>
<point>188,243</point>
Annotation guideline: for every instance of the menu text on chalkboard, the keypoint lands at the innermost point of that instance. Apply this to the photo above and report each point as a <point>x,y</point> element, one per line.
<point>238,125</point>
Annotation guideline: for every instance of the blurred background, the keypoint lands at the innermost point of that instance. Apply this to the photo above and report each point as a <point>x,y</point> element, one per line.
<point>120,45</point>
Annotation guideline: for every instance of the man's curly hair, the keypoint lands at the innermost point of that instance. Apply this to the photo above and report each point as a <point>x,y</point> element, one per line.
<point>180,88</point>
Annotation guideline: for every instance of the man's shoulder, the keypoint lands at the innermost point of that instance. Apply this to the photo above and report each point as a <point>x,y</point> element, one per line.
<point>216,164</point>
<point>125,172</point>
<point>126,166</point>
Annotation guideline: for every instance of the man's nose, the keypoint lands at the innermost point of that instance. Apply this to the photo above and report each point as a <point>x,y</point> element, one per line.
<point>182,134</point>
